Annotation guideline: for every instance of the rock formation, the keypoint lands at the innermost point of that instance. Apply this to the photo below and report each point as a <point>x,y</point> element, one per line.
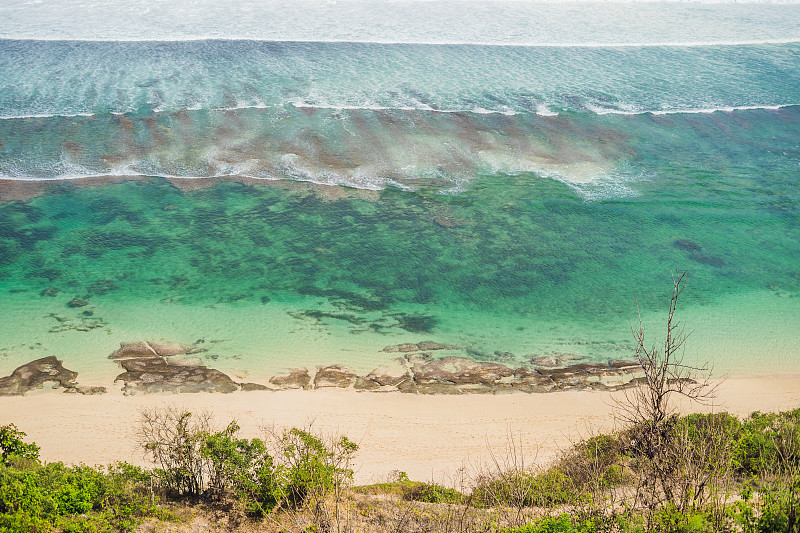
<point>153,367</point>
<point>35,374</point>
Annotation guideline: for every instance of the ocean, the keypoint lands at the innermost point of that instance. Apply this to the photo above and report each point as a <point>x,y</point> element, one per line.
<point>511,178</point>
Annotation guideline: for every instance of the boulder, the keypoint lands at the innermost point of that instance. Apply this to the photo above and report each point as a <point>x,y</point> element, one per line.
<point>460,371</point>
<point>334,376</point>
<point>152,367</point>
<point>150,349</point>
<point>253,386</point>
<point>297,378</point>
<point>35,374</point>
<point>390,374</point>
<point>365,384</point>
<point>155,374</point>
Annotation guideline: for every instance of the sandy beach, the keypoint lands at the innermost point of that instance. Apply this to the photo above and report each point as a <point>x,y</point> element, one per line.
<point>429,437</point>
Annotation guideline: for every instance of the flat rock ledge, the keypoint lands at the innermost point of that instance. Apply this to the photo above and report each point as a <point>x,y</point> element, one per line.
<point>419,373</point>
<point>35,374</point>
<point>152,367</point>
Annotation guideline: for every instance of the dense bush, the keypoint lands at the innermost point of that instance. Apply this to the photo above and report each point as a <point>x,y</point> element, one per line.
<point>289,469</point>
<point>35,497</point>
<point>12,445</point>
<point>550,488</point>
<point>417,491</point>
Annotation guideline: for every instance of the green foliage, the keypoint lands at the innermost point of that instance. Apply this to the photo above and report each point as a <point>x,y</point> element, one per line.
<point>293,469</point>
<point>550,488</point>
<point>566,523</point>
<point>418,491</point>
<point>76,499</point>
<point>241,467</point>
<point>766,442</point>
<point>12,445</point>
<point>310,468</point>
<point>670,520</point>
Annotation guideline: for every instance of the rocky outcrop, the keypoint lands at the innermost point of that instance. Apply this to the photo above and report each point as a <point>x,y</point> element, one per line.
<point>164,367</point>
<point>419,373</point>
<point>297,378</point>
<point>334,376</point>
<point>152,367</point>
<point>35,374</point>
<point>457,375</point>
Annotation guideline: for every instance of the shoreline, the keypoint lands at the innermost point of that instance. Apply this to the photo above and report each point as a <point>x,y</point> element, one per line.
<point>431,437</point>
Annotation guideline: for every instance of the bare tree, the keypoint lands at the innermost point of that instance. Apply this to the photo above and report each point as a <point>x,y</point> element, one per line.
<point>648,411</point>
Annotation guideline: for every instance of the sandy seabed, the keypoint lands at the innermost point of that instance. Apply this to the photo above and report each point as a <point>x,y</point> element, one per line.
<point>429,437</point>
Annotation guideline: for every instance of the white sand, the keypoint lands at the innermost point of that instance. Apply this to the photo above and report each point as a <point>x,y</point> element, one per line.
<point>429,437</point>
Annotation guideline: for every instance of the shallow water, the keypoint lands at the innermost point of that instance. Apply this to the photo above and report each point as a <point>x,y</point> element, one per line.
<point>513,201</point>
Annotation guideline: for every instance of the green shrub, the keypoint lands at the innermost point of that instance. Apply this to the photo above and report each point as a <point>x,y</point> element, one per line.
<point>566,523</point>
<point>418,491</point>
<point>309,468</point>
<point>768,443</point>
<point>12,445</point>
<point>550,488</point>
<point>74,499</point>
<point>670,520</point>
<point>241,467</point>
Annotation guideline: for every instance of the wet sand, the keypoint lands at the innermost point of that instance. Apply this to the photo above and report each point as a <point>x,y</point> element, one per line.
<point>429,437</point>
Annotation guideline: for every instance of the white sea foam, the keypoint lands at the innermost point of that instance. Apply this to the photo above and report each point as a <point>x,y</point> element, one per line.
<point>688,111</point>
<point>517,23</point>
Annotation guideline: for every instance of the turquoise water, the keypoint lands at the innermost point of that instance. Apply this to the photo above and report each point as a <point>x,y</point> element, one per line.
<point>514,201</point>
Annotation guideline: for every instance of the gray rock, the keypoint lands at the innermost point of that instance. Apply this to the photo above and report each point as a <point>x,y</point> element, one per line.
<point>88,390</point>
<point>390,374</point>
<point>35,374</point>
<point>297,378</point>
<point>150,349</point>
<point>253,386</point>
<point>152,367</point>
<point>365,384</point>
<point>423,346</point>
<point>403,348</point>
<point>334,376</point>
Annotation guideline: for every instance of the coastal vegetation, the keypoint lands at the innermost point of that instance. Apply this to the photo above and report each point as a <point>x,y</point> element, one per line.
<point>659,472</point>
<point>724,474</point>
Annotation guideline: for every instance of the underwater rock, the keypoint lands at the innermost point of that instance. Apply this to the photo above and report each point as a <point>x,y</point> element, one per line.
<point>102,286</point>
<point>401,348</point>
<point>36,373</point>
<point>77,302</point>
<point>297,378</point>
<point>334,376</point>
<point>50,291</point>
<point>686,244</point>
<point>150,349</point>
<point>550,362</point>
<point>423,346</point>
<point>707,260</point>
